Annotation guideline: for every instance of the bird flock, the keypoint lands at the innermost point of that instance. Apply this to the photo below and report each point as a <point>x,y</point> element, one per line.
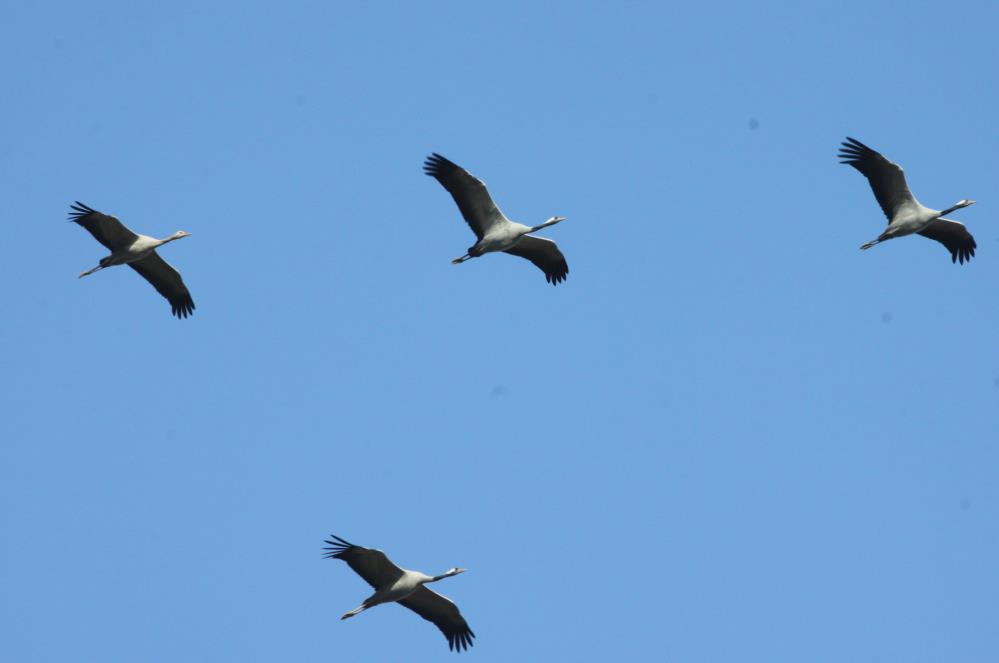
<point>495,233</point>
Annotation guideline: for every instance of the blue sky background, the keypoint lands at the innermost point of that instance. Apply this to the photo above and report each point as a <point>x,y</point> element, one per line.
<point>729,436</point>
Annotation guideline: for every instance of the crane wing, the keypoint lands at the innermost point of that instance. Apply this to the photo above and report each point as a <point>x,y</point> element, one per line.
<point>545,254</point>
<point>167,282</point>
<point>468,191</point>
<point>105,228</point>
<point>372,565</point>
<point>954,236</point>
<point>444,614</point>
<point>886,178</point>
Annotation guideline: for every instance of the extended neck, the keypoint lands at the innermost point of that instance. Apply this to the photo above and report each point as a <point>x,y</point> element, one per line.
<point>446,574</point>
<point>550,222</point>
<point>177,235</point>
<point>959,205</point>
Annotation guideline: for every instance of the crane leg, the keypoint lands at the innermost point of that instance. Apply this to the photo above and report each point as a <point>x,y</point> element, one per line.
<point>870,244</point>
<point>90,271</point>
<point>458,261</point>
<point>360,608</point>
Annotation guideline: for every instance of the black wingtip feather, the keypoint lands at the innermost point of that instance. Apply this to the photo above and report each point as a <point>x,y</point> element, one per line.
<point>79,210</point>
<point>435,163</point>
<point>182,307</point>
<point>336,547</point>
<point>854,144</point>
<point>462,640</point>
<point>962,255</point>
<point>556,277</point>
<point>853,150</point>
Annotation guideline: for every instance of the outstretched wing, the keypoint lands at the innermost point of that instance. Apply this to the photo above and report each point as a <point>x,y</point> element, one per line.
<point>468,191</point>
<point>444,613</point>
<point>105,228</point>
<point>545,254</point>
<point>167,282</point>
<point>954,236</point>
<point>886,178</point>
<point>372,565</point>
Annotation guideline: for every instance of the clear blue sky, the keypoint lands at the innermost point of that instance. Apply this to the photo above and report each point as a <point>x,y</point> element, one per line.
<point>729,436</point>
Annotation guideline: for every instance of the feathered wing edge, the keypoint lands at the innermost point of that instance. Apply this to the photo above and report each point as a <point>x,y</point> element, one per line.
<point>954,236</point>
<point>442,613</point>
<point>79,210</point>
<point>167,281</point>
<point>336,547</point>
<point>886,178</point>
<point>545,255</point>
<point>106,229</point>
<point>469,193</point>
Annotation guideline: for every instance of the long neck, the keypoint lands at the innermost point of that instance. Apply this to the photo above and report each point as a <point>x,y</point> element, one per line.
<point>168,239</point>
<point>549,222</point>
<point>440,577</point>
<point>951,209</point>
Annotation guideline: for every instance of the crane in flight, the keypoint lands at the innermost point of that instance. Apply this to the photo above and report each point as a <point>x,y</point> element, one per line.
<point>407,588</point>
<point>905,214</point>
<point>493,230</point>
<point>138,252</point>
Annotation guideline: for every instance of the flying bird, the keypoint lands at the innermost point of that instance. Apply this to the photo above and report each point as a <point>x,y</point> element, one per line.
<point>138,252</point>
<point>405,587</point>
<point>905,215</point>
<point>493,230</point>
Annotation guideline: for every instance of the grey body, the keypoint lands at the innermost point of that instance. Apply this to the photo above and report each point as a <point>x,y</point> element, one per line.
<point>906,215</point>
<point>499,237</point>
<point>137,250</point>
<point>403,586</point>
